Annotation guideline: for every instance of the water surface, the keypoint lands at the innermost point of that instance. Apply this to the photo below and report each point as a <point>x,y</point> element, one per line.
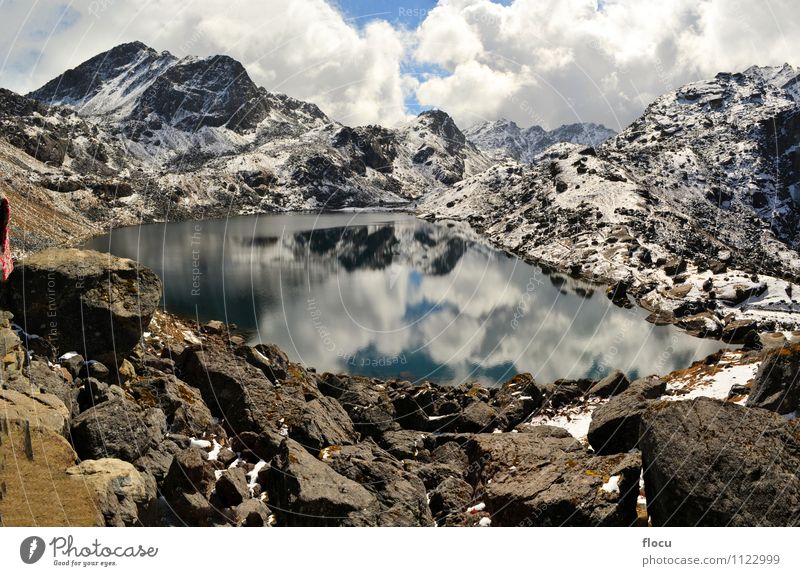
<point>389,295</point>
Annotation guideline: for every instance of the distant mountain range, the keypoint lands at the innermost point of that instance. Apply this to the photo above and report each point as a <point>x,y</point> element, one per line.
<point>503,138</point>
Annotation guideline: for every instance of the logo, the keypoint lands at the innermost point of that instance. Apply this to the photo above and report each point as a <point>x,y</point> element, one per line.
<point>31,550</point>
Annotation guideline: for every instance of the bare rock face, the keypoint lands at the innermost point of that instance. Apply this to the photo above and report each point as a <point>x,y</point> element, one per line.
<point>83,300</point>
<point>544,477</point>
<point>304,491</point>
<point>713,463</point>
<point>121,492</point>
<point>777,383</point>
<point>118,428</point>
<point>241,393</point>
<point>400,493</point>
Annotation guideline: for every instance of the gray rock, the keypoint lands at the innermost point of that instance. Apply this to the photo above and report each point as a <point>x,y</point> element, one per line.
<point>324,423</point>
<point>776,385</point>
<point>517,399</point>
<point>713,463</point>
<point>123,495</point>
<point>546,478</point>
<point>305,491</point>
<point>477,416</point>
<point>405,444</point>
<point>187,487</point>
<point>46,379</point>
<point>401,494</point>
<point>450,500</point>
<point>611,385</point>
<point>368,405</point>
<point>252,513</point>
<point>103,302</point>
<point>182,404</point>
<point>615,425</point>
<point>117,429</point>
<point>74,364</point>
<point>240,394</point>
<point>231,488</point>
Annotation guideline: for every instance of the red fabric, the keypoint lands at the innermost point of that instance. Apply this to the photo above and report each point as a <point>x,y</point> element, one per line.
<point>5,219</point>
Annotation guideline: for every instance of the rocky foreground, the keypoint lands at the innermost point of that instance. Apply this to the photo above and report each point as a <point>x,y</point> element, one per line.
<point>115,413</point>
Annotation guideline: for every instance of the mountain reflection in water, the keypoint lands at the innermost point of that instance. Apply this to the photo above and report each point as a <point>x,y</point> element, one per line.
<point>389,295</point>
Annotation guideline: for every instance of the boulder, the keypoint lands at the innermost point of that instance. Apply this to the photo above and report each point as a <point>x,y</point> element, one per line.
<point>477,416</point>
<point>401,494</point>
<point>305,491</point>
<point>231,487</point>
<point>367,403</point>
<point>738,331</point>
<point>564,392</point>
<point>182,404</point>
<point>117,429</point>
<point>73,363</point>
<point>450,500</point>
<point>263,446</point>
<point>713,463</point>
<point>324,423</point>
<point>83,300</point>
<point>405,444</point>
<point>252,513</point>
<point>517,399</point>
<point>241,394</point>
<point>270,359</point>
<point>187,487</point>
<point>611,385</point>
<point>546,478</point>
<point>615,425</point>
<point>45,379</point>
<point>776,385</point>
<point>121,493</point>
<point>674,265</point>
<point>703,325</point>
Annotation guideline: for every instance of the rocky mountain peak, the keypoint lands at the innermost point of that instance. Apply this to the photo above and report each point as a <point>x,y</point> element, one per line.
<point>98,86</point>
<point>504,138</point>
<point>441,124</point>
<point>144,94</point>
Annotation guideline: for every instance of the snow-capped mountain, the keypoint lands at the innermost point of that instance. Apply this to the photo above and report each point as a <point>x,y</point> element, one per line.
<point>504,139</point>
<point>146,92</point>
<point>204,135</point>
<point>694,207</point>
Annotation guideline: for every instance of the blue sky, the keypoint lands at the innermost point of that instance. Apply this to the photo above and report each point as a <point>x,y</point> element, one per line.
<point>407,13</point>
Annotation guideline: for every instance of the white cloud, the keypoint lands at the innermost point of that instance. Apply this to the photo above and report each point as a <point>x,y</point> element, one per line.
<point>556,61</point>
<point>304,48</point>
<point>533,61</point>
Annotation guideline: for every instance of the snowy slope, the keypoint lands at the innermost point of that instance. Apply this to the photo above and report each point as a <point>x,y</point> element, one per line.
<point>206,135</point>
<point>691,207</point>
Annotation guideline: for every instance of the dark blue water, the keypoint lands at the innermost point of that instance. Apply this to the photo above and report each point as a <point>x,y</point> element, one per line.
<point>389,295</point>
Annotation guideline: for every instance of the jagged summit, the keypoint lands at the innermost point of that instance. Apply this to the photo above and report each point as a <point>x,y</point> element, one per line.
<point>504,138</point>
<point>145,90</point>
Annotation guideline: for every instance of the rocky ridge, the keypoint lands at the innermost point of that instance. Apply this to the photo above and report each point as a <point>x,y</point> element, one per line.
<point>691,210</point>
<point>503,139</point>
